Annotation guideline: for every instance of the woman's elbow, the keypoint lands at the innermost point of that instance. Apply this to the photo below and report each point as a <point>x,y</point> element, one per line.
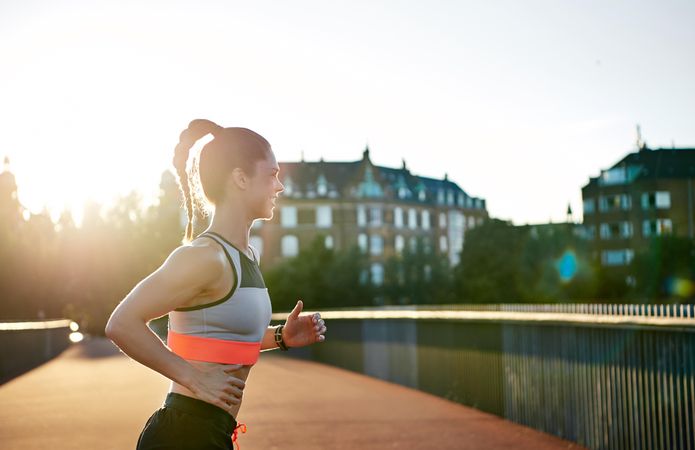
<point>112,328</point>
<point>115,326</point>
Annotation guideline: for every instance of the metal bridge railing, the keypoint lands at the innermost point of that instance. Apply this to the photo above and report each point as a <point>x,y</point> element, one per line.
<point>24,345</point>
<point>605,376</point>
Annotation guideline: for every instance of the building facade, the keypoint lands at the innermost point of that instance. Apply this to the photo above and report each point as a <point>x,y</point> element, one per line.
<point>648,193</point>
<point>381,210</point>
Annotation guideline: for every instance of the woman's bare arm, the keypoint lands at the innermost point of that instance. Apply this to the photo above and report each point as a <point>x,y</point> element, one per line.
<point>186,274</point>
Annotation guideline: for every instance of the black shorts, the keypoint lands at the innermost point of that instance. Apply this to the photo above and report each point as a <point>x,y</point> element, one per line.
<point>184,423</point>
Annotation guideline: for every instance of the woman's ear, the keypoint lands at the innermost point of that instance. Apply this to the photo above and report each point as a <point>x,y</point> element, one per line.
<point>238,179</point>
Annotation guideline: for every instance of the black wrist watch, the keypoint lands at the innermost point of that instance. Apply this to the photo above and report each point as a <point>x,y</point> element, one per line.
<point>278,338</point>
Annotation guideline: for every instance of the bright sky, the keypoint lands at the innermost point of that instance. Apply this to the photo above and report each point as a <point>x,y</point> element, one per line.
<point>520,102</point>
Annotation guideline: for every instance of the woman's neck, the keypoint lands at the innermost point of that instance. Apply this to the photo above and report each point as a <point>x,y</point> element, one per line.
<point>232,223</point>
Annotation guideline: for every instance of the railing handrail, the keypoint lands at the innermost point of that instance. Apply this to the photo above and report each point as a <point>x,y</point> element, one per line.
<point>34,325</point>
<point>575,314</point>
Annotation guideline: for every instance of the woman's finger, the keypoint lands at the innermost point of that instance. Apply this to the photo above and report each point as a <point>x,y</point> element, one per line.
<point>230,400</point>
<point>236,382</point>
<point>232,367</point>
<point>235,391</point>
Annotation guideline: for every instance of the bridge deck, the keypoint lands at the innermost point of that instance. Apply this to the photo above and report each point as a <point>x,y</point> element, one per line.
<point>92,396</point>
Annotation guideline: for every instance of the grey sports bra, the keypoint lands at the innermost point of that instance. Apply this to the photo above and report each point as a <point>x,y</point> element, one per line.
<point>229,330</point>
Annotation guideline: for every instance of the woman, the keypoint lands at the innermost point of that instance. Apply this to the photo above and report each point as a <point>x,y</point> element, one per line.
<point>211,287</point>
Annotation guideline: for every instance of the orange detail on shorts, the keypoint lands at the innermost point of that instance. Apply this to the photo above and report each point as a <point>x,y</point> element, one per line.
<point>234,435</point>
<point>213,350</point>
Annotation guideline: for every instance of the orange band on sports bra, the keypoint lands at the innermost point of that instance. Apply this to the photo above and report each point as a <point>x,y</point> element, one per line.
<point>213,350</point>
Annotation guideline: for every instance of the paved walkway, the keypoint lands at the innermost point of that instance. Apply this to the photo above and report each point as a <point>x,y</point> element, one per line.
<point>93,397</point>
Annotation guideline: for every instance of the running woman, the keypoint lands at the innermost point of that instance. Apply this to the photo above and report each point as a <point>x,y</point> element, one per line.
<point>212,288</point>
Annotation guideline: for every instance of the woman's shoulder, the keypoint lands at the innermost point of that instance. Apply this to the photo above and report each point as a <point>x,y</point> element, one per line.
<point>200,257</point>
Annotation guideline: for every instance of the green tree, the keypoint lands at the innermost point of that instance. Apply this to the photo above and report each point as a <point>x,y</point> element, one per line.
<point>665,271</point>
<point>503,263</point>
<point>489,268</point>
<point>320,277</point>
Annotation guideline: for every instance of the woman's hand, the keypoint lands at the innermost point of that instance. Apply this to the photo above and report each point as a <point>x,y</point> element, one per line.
<point>218,385</point>
<point>305,330</point>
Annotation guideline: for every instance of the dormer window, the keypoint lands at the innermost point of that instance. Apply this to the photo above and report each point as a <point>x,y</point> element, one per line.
<point>421,191</point>
<point>440,196</point>
<point>289,186</point>
<point>369,187</point>
<point>403,191</point>
<point>322,186</point>
<point>310,191</point>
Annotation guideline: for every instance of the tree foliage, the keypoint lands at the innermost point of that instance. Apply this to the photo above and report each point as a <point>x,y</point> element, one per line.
<point>502,263</point>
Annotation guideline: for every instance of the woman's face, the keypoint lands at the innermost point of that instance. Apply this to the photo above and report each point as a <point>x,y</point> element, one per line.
<point>264,188</point>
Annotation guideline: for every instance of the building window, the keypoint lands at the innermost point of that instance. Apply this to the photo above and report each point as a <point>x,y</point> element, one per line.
<point>289,186</point>
<point>613,176</point>
<point>375,216</point>
<point>425,220</point>
<point>322,186</point>
<point>457,223</point>
<point>656,200</point>
<point>324,217</point>
<point>616,230</point>
<point>614,202</point>
<point>462,200</point>
<point>377,274</point>
<point>617,257</point>
<point>442,244</point>
<point>288,216</point>
<point>399,243</point>
<point>257,243</point>
<point>442,220</point>
<point>619,175</point>
<point>471,222</point>
<point>427,272</point>
<point>361,216</point>
<point>362,242</point>
<point>412,219</point>
<point>376,244</point>
<point>657,227</point>
<point>663,200</point>
<point>290,245</point>
<point>328,242</point>
<point>369,187</point>
<point>450,197</point>
<point>440,196</point>
<point>398,217</point>
<point>589,232</point>
<point>427,244</point>
<point>589,205</point>
<point>421,195</point>
<point>413,244</point>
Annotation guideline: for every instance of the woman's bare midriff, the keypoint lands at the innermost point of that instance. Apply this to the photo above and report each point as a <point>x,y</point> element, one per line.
<point>241,373</point>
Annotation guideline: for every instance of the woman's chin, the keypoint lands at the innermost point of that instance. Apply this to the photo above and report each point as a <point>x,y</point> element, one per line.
<point>269,214</point>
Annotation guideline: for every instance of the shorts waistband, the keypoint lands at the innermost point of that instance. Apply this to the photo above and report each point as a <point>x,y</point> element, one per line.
<point>199,408</point>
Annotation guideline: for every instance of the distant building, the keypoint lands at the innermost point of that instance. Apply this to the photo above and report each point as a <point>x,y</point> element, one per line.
<point>381,210</point>
<point>648,193</point>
